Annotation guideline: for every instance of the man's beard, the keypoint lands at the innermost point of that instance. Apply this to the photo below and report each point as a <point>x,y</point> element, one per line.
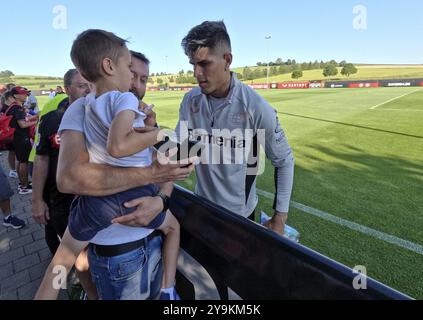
<point>137,95</point>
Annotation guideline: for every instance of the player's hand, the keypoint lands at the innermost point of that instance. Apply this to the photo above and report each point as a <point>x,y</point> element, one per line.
<point>277,223</point>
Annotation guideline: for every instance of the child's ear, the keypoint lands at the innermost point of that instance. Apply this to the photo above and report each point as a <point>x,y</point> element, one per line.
<point>108,66</point>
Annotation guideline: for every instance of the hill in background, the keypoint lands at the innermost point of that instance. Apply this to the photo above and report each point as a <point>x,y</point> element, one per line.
<point>364,72</point>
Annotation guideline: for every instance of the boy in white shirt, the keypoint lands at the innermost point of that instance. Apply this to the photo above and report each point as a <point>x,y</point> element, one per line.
<point>117,134</point>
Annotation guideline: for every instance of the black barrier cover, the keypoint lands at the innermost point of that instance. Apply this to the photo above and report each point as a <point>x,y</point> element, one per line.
<point>225,256</point>
<point>400,83</point>
<point>336,84</point>
<point>382,83</point>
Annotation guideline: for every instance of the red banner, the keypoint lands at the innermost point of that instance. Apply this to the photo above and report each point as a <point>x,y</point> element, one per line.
<point>294,85</point>
<point>364,85</point>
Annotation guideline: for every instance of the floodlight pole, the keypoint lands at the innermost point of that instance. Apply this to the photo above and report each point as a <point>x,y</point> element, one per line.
<point>268,37</point>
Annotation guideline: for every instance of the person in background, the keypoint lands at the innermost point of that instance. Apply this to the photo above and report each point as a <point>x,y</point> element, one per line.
<point>32,104</point>
<point>52,94</point>
<point>9,220</point>
<point>9,100</point>
<point>22,139</point>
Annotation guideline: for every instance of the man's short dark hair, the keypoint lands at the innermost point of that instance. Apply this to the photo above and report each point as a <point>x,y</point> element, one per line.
<point>140,56</point>
<point>91,47</point>
<point>10,86</point>
<point>68,77</point>
<point>209,34</point>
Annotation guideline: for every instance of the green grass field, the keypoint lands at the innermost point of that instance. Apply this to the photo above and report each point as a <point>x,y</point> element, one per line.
<point>358,164</point>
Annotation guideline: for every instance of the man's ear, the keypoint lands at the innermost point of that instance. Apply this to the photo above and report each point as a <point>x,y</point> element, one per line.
<point>228,58</point>
<point>108,66</point>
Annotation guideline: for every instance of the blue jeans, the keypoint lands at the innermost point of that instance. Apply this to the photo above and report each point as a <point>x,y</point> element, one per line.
<point>135,275</point>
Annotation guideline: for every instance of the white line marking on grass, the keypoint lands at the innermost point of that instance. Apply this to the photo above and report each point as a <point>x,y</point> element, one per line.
<point>352,225</point>
<point>402,96</point>
<point>411,110</point>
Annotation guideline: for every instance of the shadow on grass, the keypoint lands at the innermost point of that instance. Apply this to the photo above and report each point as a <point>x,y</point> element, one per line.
<point>377,191</point>
<point>351,125</point>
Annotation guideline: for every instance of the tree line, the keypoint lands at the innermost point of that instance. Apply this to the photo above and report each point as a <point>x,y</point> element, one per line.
<point>330,68</point>
<point>278,67</point>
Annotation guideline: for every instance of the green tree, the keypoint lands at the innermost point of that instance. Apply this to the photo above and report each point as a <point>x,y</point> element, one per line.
<point>159,81</point>
<point>330,70</point>
<point>191,80</point>
<point>297,74</point>
<point>343,63</point>
<point>279,62</point>
<point>6,74</point>
<point>284,69</point>
<point>348,70</point>
<point>247,74</point>
<point>256,73</point>
<point>273,71</point>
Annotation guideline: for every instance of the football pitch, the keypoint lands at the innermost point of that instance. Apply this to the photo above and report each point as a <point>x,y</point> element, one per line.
<point>358,191</point>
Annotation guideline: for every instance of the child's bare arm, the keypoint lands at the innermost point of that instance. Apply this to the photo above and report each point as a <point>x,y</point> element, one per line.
<point>59,268</point>
<point>124,141</point>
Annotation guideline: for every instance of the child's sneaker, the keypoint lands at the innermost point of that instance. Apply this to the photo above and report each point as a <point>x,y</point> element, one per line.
<point>13,222</point>
<point>24,191</point>
<point>169,294</point>
<point>20,186</point>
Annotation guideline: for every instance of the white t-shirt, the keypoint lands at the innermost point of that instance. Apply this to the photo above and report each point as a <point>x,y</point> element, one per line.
<point>32,100</point>
<point>99,115</point>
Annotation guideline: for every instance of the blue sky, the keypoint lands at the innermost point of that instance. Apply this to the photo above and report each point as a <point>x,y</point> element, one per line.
<point>302,29</point>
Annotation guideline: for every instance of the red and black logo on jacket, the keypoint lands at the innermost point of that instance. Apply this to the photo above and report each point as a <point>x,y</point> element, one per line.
<point>55,141</point>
